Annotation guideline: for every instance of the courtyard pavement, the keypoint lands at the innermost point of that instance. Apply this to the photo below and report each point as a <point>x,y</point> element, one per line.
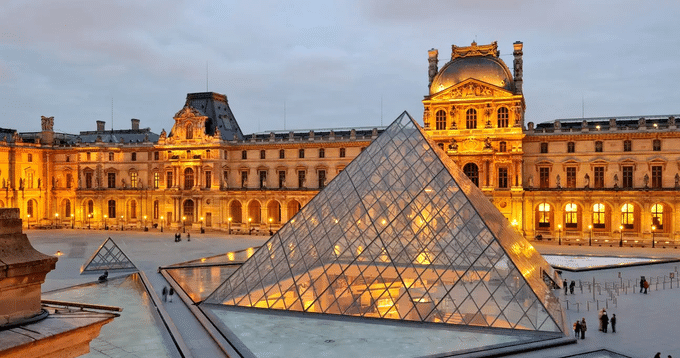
<point>646,323</point>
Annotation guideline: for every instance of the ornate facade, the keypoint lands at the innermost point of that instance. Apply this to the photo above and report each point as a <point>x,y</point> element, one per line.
<point>605,180</point>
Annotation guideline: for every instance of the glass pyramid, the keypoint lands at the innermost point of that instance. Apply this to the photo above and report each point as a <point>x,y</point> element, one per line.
<point>108,257</point>
<point>400,234</point>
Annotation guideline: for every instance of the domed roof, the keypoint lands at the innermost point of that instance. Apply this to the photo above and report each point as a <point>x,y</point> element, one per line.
<point>488,69</point>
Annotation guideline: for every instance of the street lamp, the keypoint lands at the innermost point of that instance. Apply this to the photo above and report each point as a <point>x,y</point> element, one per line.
<point>145,229</point>
<point>56,219</point>
<point>229,224</point>
<point>250,226</point>
<point>28,216</point>
<point>88,220</point>
<point>559,233</point>
<point>72,221</point>
<point>653,236</point>
<point>161,224</point>
<point>270,226</point>
<point>106,222</point>
<point>201,224</point>
<point>184,224</point>
<point>122,222</point>
<point>590,240</point>
<point>621,239</point>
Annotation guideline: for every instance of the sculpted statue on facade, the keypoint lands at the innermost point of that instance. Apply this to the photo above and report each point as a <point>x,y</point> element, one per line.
<point>558,181</point>
<point>586,181</point>
<point>530,181</point>
<point>646,180</point>
<point>453,145</point>
<point>677,180</point>
<point>616,181</point>
<point>487,143</point>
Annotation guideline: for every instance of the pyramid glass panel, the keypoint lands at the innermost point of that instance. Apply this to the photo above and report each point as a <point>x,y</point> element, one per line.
<point>108,257</point>
<point>401,234</point>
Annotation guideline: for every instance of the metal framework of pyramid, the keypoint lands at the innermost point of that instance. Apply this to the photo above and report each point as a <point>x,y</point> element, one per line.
<point>401,234</point>
<point>108,257</point>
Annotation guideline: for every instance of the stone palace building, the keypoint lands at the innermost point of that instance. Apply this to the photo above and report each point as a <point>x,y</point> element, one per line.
<point>605,181</point>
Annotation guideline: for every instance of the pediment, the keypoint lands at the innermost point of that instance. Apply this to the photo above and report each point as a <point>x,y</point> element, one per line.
<point>187,112</point>
<point>472,88</point>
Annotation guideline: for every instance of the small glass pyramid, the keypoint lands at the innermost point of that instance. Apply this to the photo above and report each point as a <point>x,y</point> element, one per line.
<point>400,234</point>
<point>108,257</point>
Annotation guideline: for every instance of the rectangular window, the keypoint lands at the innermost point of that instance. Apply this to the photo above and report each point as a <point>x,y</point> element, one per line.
<point>208,179</point>
<point>30,157</point>
<point>282,178</point>
<point>88,180</point>
<point>598,177</point>
<point>89,156</point>
<point>571,147</point>
<point>112,180</point>
<point>342,152</point>
<point>571,177</point>
<point>111,157</point>
<point>301,153</point>
<point>263,154</point>
<point>544,147</point>
<point>301,178</point>
<point>627,173</point>
<point>68,158</point>
<point>627,145</point>
<point>656,145</point>
<point>503,178</point>
<point>156,180</point>
<point>225,177</point>
<point>322,153</point>
<point>156,156</point>
<point>282,154</point>
<point>263,179</point>
<point>244,179</point>
<point>133,157</point>
<point>244,154</point>
<point>322,178</point>
<point>544,177</point>
<point>656,177</point>
<point>598,146</point>
<point>155,209</point>
<point>168,180</point>
<point>29,181</point>
<point>133,179</point>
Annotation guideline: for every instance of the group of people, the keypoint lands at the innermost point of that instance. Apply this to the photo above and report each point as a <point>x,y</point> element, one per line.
<point>580,328</point>
<point>178,237</point>
<point>166,293</point>
<point>658,355</point>
<point>605,321</point>
<point>569,288</point>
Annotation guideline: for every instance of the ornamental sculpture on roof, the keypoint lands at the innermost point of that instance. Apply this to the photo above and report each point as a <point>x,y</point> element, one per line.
<point>474,50</point>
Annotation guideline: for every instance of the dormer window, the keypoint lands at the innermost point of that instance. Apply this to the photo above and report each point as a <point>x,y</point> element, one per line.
<point>190,131</point>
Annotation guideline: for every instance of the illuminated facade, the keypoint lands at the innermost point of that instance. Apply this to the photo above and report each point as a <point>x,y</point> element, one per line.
<point>610,181</point>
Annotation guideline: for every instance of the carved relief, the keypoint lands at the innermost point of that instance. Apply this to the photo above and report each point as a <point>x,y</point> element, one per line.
<point>474,50</point>
<point>47,123</point>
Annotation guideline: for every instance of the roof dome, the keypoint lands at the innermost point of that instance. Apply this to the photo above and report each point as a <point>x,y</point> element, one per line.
<point>488,69</point>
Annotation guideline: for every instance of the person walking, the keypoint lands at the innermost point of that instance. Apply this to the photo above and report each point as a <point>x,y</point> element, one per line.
<point>658,354</point>
<point>566,286</point>
<point>605,322</point>
<point>584,328</point>
<point>600,313</point>
<point>642,283</point>
<point>188,236</point>
<point>172,293</point>
<point>613,322</point>
<point>572,285</point>
<point>646,285</point>
<point>165,293</point>
<point>577,328</point>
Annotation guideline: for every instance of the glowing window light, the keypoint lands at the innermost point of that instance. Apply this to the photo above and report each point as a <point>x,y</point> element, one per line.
<point>230,256</point>
<point>250,252</point>
<point>337,250</point>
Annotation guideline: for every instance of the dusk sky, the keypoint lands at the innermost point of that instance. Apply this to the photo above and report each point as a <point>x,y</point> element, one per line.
<point>330,62</point>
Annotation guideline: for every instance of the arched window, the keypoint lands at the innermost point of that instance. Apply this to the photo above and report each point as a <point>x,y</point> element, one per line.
<point>471,119</point>
<point>188,178</point>
<point>133,209</point>
<point>543,215</point>
<point>293,208</point>
<point>188,211</point>
<point>628,216</point>
<point>29,208</point>
<point>69,179</point>
<point>503,117</point>
<point>440,120</point>
<point>112,209</point>
<point>598,216</point>
<point>571,216</point>
<point>472,172</point>
<point>67,209</point>
<point>190,131</point>
<point>657,216</point>
<point>235,211</point>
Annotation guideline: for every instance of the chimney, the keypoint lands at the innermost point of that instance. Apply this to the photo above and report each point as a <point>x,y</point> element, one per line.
<point>432,69</point>
<point>101,126</point>
<point>517,64</point>
<point>135,124</point>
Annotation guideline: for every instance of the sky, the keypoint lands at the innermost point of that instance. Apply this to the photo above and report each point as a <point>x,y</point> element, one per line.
<point>322,64</point>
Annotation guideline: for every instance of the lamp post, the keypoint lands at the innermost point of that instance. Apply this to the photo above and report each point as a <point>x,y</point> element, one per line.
<point>28,216</point>
<point>89,216</point>
<point>73,220</point>
<point>56,219</point>
<point>145,229</point>
<point>590,239</point>
<point>250,226</point>
<point>621,238</point>
<point>122,222</point>
<point>184,224</point>
<point>201,224</point>
<point>653,236</point>
<point>106,222</point>
<point>229,224</point>
<point>270,226</point>
<point>559,234</point>
<point>161,224</point>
